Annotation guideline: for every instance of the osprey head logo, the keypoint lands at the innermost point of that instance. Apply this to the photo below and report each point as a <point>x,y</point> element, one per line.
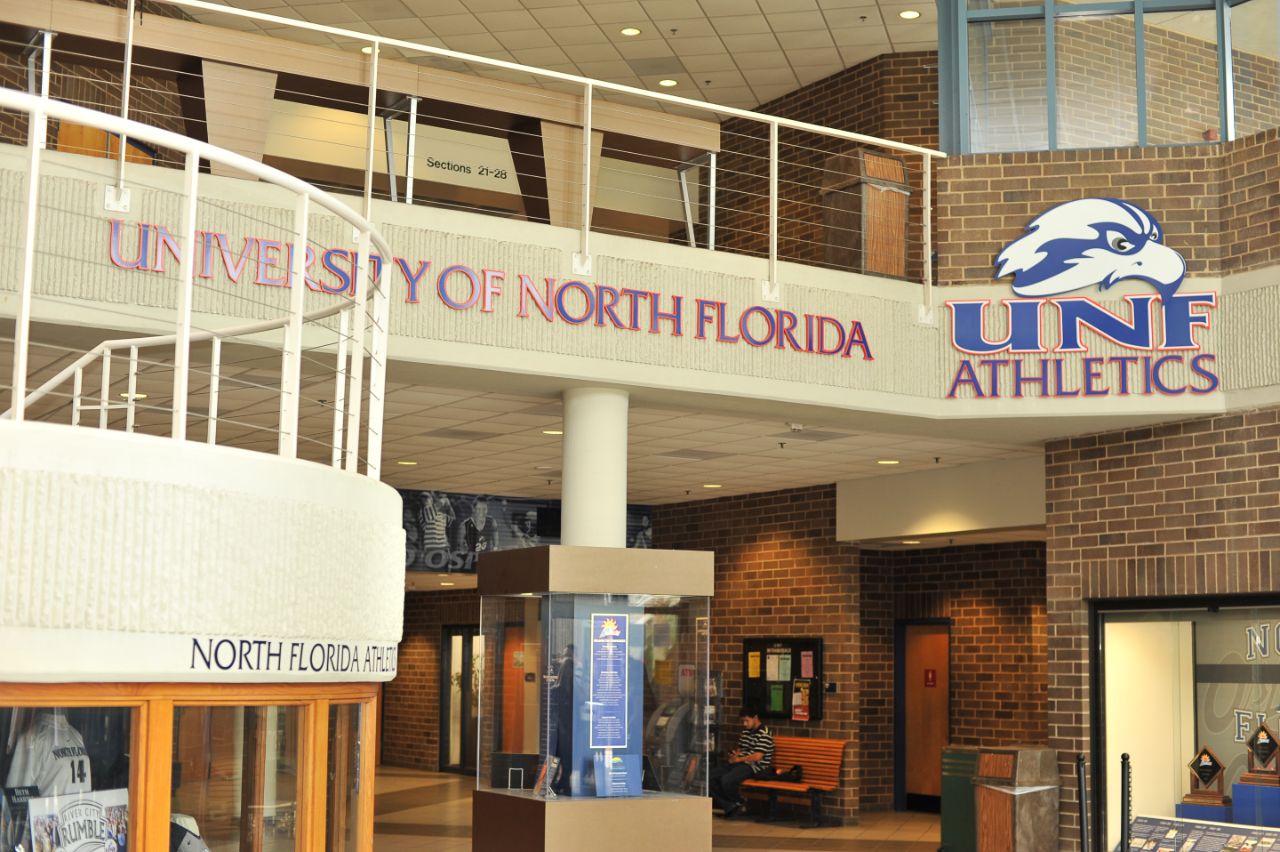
<point>1090,241</point>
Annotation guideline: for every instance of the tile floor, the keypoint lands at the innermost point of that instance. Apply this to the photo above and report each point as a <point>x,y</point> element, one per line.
<point>431,812</point>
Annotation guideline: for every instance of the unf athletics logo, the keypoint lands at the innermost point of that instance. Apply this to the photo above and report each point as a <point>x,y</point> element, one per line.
<point>1090,241</point>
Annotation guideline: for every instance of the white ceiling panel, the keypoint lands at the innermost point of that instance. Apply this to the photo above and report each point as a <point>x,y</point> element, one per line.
<point>814,38</point>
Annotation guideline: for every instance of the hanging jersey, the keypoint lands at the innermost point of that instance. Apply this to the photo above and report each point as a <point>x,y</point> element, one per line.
<point>50,755</point>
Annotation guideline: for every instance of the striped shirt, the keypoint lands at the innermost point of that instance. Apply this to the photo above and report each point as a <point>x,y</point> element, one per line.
<point>759,740</point>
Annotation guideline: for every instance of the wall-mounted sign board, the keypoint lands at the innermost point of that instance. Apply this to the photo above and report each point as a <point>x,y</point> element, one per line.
<point>782,676</point>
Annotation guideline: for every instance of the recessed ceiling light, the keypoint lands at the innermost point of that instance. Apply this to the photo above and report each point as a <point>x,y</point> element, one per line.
<point>407,463</point>
<point>553,431</point>
<point>630,31</point>
<point>447,583</point>
<point>526,594</point>
<point>887,461</point>
<point>712,485</point>
<point>544,467</point>
<point>125,395</point>
<point>367,49</point>
<point>911,541</point>
<point>908,14</point>
<point>666,84</point>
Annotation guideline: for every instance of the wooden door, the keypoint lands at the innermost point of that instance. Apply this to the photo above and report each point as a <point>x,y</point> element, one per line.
<point>926,711</point>
<point>513,668</point>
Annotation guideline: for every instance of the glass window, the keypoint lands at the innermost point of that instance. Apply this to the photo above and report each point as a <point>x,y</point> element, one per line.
<point>1255,60</point>
<point>1008,95</point>
<point>235,776</point>
<point>1097,81</point>
<point>1177,682</point>
<point>66,776</point>
<point>1182,77</point>
<point>342,823</point>
<point>594,695</point>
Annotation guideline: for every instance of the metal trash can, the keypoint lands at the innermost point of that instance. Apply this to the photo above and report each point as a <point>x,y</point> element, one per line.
<point>959,814</point>
<point>1016,793</point>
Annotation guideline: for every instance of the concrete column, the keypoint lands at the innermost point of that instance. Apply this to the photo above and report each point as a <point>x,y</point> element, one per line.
<point>593,488</point>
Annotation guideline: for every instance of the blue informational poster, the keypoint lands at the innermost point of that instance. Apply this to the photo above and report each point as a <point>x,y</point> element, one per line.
<point>618,775</point>
<point>608,700</point>
<point>1162,834</point>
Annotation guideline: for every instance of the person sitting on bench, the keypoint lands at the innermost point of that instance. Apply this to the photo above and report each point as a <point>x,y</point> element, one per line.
<point>753,756</point>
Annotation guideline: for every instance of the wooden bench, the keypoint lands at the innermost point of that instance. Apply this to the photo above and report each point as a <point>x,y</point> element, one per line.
<point>821,761</point>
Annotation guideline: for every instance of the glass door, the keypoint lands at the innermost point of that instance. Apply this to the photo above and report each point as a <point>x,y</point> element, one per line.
<point>461,652</point>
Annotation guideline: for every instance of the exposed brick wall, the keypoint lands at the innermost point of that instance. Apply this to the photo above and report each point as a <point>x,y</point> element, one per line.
<point>1216,203</point>
<point>411,702</point>
<point>1190,508</point>
<point>994,596</point>
<point>780,571</point>
<point>893,96</point>
<point>1250,187</point>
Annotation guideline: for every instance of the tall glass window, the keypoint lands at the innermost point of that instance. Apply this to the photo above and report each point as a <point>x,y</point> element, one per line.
<point>1018,76</point>
<point>235,775</point>
<point>1097,81</point>
<point>1008,109</point>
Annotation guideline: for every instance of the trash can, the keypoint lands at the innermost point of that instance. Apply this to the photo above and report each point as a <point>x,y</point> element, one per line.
<point>1016,798</point>
<point>959,822</point>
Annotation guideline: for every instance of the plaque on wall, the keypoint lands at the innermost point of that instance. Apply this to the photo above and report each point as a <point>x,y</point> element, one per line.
<point>1207,777</point>
<point>1264,767</point>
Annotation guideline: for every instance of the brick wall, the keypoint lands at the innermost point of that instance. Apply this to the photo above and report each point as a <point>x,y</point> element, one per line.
<point>994,596</point>
<point>892,96</point>
<point>1190,508</point>
<point>780,571</point>
<point>411,702</point>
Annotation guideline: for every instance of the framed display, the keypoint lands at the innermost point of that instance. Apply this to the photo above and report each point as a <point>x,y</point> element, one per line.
<point>782,675</point>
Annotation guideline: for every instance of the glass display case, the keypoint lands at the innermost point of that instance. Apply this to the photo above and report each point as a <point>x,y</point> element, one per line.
<point>593,686</point>
<point>593,695</point>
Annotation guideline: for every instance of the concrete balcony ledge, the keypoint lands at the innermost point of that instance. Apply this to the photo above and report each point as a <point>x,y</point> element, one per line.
<point>127,557</point>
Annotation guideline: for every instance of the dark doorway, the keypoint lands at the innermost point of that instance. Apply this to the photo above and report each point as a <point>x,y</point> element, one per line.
<point>922,723</point>
<point>462,649</point>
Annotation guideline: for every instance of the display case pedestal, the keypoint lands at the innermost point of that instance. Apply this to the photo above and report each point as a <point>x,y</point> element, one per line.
<point>1208,813</point>
<point>1253,804</point>
<point>516,822</point>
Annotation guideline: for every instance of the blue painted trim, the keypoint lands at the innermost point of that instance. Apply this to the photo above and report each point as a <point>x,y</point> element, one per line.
<point>1226,73</point>
<point>1140,56</point>
<point>1023,12</point>
<point>1051,71</point>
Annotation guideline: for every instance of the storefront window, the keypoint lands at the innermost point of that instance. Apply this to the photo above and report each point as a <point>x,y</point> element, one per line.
<point>342,822</point>
<point>66,777</point>
<point>235,776</point>
<point>1178,682</point>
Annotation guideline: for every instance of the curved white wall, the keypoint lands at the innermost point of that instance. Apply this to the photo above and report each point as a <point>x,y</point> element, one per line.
<point>129,557</point>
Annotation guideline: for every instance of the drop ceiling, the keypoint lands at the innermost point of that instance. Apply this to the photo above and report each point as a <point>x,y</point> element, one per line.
<point>739,53</point>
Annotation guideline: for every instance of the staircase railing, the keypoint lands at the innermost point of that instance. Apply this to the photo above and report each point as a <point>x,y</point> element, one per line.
<point>362,310</point>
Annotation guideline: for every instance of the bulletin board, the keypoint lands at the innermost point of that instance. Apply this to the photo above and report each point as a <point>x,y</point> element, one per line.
<point>782,675</point>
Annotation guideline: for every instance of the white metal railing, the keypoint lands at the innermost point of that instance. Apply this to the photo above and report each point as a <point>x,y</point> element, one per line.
<point>589,91</point>
<point>367,307</point>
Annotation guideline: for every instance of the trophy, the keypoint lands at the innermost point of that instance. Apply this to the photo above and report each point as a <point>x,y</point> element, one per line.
<point>1264,768</point>
<point>1207,776</point>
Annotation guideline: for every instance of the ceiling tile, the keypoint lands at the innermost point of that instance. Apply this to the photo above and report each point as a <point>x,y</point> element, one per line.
<point>797,21</point>
<point>628,12</point>
<point>492,5</point>
<point>561,16</point>
<point>798,45</point>
<point>851,36</point>
<point>748,45</point>
<point>587,34</point>
<point>482,44</point>
<point>696,46</point>
<point>741,24</point>
<point>720,8</point>
<point>523,39</point>
<point>540,57</point>
<point>451,25</point>
<point>685,27</point>
<point>331,14</point>
<point>506,21</point>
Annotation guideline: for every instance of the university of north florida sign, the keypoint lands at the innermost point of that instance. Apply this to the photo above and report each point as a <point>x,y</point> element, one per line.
<point>148,247</point>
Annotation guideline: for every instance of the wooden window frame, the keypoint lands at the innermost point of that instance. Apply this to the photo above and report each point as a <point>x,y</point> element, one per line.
<point>151,742</point>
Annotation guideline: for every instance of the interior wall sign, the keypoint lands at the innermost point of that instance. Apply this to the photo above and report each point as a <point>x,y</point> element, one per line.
<point>1043,348</point>
<point>148,247</point>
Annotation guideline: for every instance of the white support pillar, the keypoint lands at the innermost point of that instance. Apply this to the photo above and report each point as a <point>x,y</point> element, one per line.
<point>594,480</point>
